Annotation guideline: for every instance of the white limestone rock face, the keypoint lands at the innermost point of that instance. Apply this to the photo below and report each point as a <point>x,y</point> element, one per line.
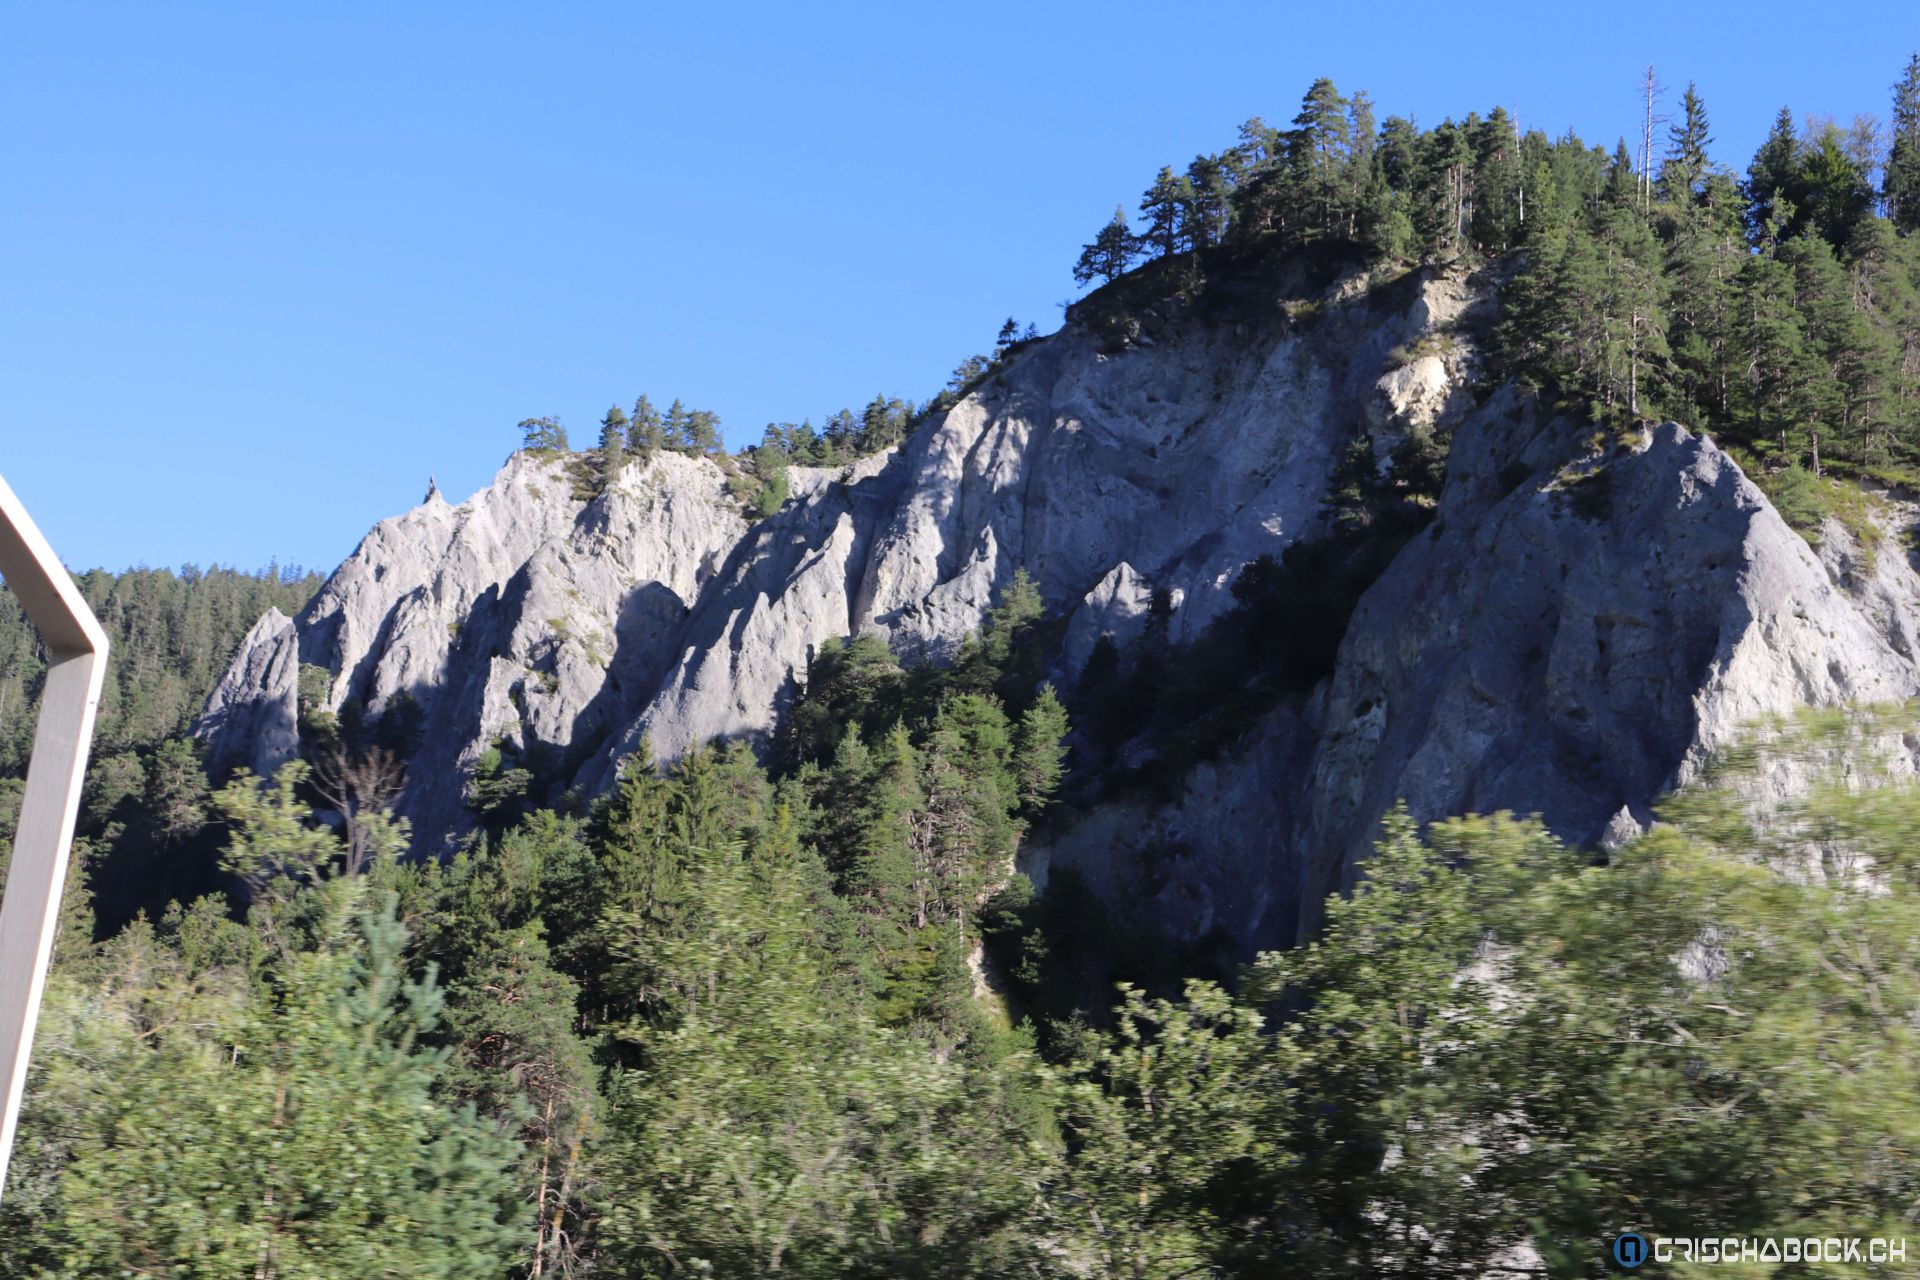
<point>1411,397</point>
<point>521,616</point>
<point>1116,610</point>
<point>253,715</point>
<point>1566,649</point>
<point>1571,635</point>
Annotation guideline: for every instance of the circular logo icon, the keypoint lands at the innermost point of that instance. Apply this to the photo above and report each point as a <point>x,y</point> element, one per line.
<point>1630,1249</point>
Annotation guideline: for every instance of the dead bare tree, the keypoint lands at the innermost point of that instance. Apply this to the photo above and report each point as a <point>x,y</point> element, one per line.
<point>1520,165</point>
<point>1651,90</point>
<point>357,783</point>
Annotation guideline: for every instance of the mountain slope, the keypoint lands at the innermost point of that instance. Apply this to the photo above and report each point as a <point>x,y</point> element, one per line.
<point>1575,628</point>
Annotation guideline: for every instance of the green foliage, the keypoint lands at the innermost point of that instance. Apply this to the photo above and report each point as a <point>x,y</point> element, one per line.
<point>773,1128</point>
<point>170,636</point>
<point>1156,1111</point>
<point>496,787</point>
<point>1110,254</point>
<point>612,454</point>
<point>176,792</point>
<point>1900,183</point>
<point>1497,1043</point>
<point>295,1134</point>
<point>883,424</point>
<point>727,1023</point>
<point>762,487</point>
<point>1624,306</point>
<point>1807,502</point>
<point>544,435</point>
<point>510,1028</point>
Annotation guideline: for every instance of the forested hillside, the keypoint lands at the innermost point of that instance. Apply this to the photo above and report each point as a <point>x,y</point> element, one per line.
<point>170,636</point>
<point>1777,305</point>
<point>726,1023</point>
<point>795,1012</point>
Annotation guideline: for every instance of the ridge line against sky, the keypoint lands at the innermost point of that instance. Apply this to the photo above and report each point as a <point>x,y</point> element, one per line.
<point>268,270</point>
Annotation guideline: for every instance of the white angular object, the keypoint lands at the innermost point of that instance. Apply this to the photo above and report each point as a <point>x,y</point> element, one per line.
<point>30,909</point>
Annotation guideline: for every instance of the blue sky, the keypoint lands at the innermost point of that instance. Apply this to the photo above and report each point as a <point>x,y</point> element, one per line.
<point>263,268</point>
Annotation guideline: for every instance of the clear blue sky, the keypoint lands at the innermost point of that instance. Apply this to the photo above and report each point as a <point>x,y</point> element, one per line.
<point>265,267</point>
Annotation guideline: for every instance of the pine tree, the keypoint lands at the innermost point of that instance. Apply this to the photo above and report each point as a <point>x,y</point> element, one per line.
<point>544,435</point>
<point>1253,162</point>
<point>1900,185</point>
<point>703,433</point>
<point>1161,207</point>
<point>1109,255</point>
<point>676,428</point>
<point>176,792</point>
<point>1008,335</point>
<point>1317,155</point>
<point>1211,194</point>
<point>1157,1112</point>
<point>882,872</point>
<point>646,432</point>
<point>1442,189</point>
<point>1361,178</point>
<point>516,1058</point>
<point>612,453</point>
<point>884,423</point>
<point>1040,752</point>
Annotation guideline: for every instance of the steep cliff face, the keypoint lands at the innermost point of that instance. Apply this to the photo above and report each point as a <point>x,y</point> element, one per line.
<point>1573,631</point>
<point>1576,632</point>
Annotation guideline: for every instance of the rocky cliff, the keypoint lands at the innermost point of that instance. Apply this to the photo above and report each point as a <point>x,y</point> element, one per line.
<point>1581,621</point>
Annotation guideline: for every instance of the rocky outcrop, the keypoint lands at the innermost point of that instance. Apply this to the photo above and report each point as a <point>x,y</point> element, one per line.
<point>1574,634</point>
<point>1579,625</point>
<point>522,617</point>
<point>565,632</point>
<point>252,717</point>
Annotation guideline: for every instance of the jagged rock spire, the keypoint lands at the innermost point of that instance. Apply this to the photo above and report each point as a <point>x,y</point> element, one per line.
<point>433,490</point>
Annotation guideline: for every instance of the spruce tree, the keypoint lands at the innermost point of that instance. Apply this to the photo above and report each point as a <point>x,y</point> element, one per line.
<point>1495,180</point>
<point>612,453</point>
<point>1900,186</point>
<point>1772,350</point>
<point>1832,194</point>
<point>1771,179</point>
<point>1706,255</point>
<point>1687,141</point>
<point>676,428</point>
<point>646,433</point>
<point>1161,206</point>
<point>880,876</point>
<point>1040,752</point>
